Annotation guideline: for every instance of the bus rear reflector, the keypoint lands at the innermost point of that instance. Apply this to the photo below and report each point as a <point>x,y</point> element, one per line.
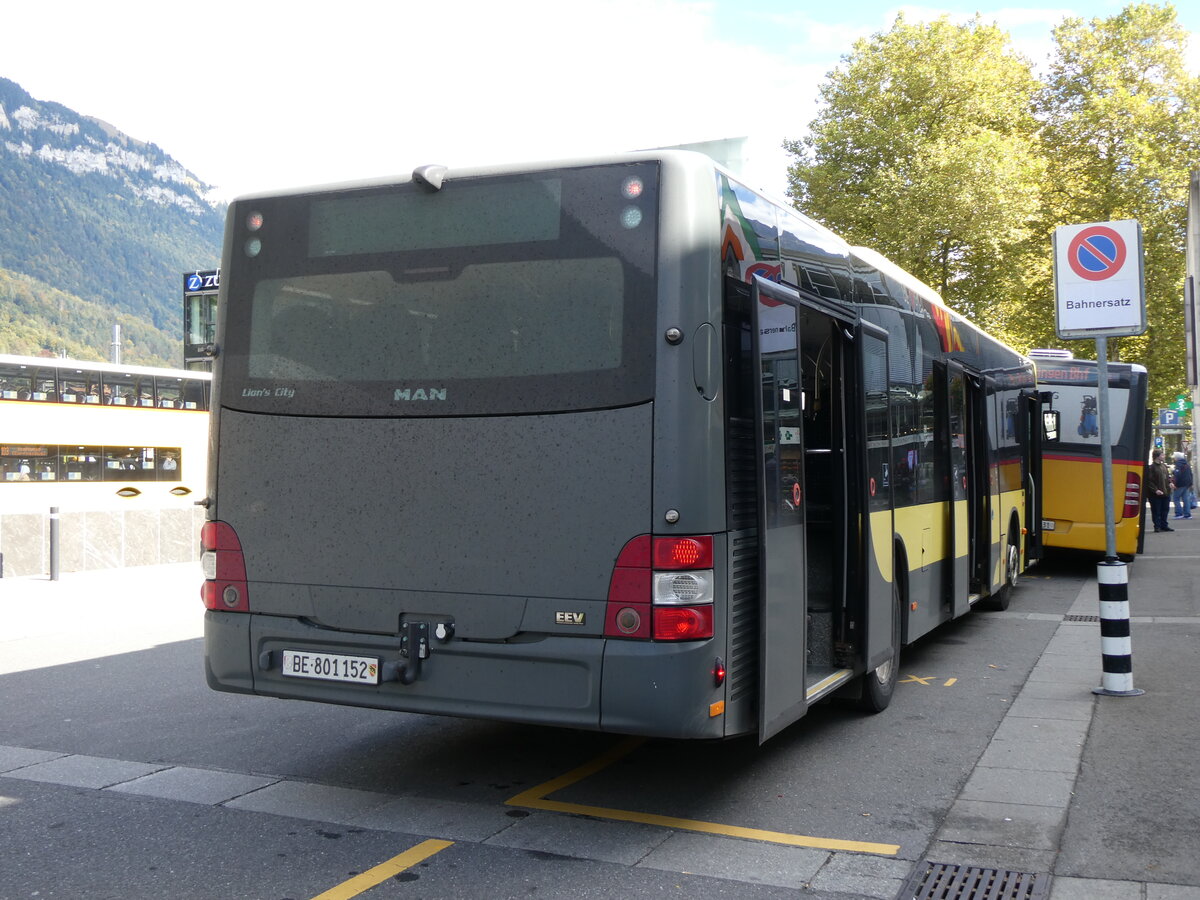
<point>662,588</point>
<point>224,567</point>
<point>1133,496</point>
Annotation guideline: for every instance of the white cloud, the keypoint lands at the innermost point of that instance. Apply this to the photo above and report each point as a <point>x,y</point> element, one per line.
<point>256,95</point>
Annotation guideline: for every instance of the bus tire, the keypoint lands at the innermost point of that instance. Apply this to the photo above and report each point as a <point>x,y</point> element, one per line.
<point>1000,600</point>
<point>879,684</point>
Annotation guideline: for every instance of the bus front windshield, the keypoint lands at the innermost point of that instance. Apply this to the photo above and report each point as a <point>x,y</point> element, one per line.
<point>1075,394</point>
<point>498,295</point>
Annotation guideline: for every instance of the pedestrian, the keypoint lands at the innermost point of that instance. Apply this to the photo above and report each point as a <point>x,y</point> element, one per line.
<point>1158,490</point>
<point>1182,495</point>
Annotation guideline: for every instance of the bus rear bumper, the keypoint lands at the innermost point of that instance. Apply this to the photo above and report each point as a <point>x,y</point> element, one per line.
<point>663,690</point>
<point>554,680</point>
<point>227,652</point>
<point>648,688</point>
<point>1069,535</point>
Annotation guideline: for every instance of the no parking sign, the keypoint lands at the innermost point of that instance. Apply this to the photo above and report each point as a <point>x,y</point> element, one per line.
<point>1098,285</point>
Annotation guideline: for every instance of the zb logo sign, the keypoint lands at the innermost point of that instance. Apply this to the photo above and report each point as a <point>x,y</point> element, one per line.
<point>202,281</point>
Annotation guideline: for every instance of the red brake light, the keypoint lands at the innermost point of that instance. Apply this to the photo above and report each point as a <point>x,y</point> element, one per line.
<point>683,552</point>
<point>219,536</point>
<point>683,623</point>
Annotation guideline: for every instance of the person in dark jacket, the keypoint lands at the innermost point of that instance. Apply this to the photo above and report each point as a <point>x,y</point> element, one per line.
<point>1182,495</point>
<point>1158,490</point>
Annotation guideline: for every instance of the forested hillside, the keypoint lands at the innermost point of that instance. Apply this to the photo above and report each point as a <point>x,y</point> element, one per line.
<point>96,228</point>
<point>35,317</point>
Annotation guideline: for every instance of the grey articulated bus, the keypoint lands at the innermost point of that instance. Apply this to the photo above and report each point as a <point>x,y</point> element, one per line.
<point>614,444</point>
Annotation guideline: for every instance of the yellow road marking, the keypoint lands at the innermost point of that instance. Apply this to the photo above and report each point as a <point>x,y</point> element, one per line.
<point>926,680</point>
<point>535,798</point>
<point>382,872</point>
<point>535,794</point>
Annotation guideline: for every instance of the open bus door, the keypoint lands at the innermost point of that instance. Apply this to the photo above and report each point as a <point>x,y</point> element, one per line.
<point>800,356</point>
<point>956,439</point>
<point>780,462</point>
<point>979,476</point>
<point>1032,408</point>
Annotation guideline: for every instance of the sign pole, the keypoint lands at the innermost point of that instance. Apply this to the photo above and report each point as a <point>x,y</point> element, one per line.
<point>1112,575</point>
<point>1110,524</point>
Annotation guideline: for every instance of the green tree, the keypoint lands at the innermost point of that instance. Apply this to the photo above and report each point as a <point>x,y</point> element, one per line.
<point>926,150</point>
<point>1121,132</point>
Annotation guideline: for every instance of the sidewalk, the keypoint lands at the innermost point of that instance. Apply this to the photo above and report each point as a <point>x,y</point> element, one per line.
<point>166,601</point>
<point>1135,816</point>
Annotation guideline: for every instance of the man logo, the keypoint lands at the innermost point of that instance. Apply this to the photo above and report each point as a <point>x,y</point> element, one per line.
<point>419,394</point>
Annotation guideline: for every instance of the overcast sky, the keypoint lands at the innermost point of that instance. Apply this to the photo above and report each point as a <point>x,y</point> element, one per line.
<point>256,94</point>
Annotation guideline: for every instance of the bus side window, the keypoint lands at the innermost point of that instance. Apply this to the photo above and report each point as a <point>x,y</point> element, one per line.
<point>169,393</point>
<point>195,395</point>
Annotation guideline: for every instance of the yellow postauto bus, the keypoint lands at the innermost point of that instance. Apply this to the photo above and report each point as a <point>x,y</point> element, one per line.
<point>1073,502</point>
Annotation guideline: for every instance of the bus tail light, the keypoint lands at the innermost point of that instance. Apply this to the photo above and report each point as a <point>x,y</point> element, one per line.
<point>1133,496</point>
<point>224,567</point>
<point>662,588</point>
<point>628,612</point>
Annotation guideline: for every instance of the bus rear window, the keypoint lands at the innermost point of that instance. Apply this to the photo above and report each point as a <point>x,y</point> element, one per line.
<point>505,295</point>
<point>494,321</point>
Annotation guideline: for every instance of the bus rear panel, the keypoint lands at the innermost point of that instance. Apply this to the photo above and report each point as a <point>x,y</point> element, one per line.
<point>435,438</point>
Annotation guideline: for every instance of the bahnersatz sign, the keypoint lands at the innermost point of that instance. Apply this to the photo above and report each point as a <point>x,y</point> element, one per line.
<point>1098,285</point>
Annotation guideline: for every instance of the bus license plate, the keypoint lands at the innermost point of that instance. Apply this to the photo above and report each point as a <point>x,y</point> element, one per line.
<point>330,667</point>
<point>1048,525</point>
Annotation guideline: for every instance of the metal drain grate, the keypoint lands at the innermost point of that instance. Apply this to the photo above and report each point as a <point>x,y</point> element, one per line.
<point>1081,618</point>
<point>945,881</point>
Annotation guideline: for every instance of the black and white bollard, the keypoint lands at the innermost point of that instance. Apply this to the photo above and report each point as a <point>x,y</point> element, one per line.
<point>1116,645</point>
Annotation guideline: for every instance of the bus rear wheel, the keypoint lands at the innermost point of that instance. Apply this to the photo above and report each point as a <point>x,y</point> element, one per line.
<point>879,684</point>
<point>1012,568</point>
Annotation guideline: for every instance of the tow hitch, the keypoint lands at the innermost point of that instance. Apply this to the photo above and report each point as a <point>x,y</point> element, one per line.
<point>414,650</point>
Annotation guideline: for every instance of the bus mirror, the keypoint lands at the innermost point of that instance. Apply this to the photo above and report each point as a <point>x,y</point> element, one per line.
<point>1050,424</point>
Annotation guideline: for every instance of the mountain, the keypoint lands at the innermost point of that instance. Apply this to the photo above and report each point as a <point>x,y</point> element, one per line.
<point>95,228</point>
